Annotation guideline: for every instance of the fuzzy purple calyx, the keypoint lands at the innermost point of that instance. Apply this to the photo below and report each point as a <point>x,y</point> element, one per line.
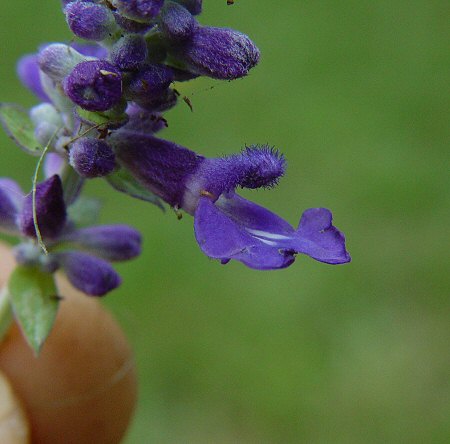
<point>176,22</point>
<point>90,21</point>
<point>90,274</point>
<point>91,157</point>
<point>129,52</point>
<point>219,53</point>
<point>110,242</point>
<point>50,210</point>
<point>139,10</point>
<point>95,85</point>
<point>11,198</point>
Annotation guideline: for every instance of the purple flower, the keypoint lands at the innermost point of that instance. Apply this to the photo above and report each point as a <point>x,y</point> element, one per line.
<point>219,53</point>
<point>226,225</point>
<point>94,85</point>
<point>90,21</point>
<point>89,270</point>
<point>91,157</point>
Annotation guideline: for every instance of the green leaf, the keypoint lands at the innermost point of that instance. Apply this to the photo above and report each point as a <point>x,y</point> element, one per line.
<point>34,300</point>
<point>19,127</point>
<point>123,181</point>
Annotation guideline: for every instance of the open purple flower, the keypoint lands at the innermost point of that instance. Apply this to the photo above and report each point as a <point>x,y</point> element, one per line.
<point>88,270</point>
<point>228,226</point>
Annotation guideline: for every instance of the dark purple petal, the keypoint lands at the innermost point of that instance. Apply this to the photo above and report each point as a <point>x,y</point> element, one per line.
<point>129,52</point>
<point>28,72</point>
<point>91,157</point>
<point>95,85</point>
<point>111,242</point>
<point>176,22</point>
<point>50,210</point>
<point>91,275</point>
<point>11,198</point>
<point>235,228</point>
<point>219,53</point>
<point>193,6</point>
<point>90,21</point>
<point>140,10</point>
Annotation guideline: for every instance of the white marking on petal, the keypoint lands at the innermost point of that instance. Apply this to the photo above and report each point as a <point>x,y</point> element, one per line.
<point>267,235</point>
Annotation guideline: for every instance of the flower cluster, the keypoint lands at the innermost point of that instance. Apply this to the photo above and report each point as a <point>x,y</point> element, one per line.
<point>102,104</point>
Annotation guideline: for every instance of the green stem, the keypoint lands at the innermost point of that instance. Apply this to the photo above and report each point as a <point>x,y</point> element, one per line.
<point>6,314</point>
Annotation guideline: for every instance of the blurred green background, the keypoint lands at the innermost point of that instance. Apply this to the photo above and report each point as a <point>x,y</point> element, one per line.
<point>355,94</point>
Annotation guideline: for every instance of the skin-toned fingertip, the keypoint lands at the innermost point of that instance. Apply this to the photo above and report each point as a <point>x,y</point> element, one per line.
<point>14,427</point>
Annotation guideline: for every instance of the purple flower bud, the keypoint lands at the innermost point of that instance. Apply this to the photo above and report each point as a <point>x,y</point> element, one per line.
<point>193,6</point>
<point>50,210</point>
<point>219,53</point>
<point>111,242</point>
<point>91,275</point>
<point>149,83</point>
<point>168,99</point>
<point>28,72</point>
<point>90,21</point>
<point>94,85</point>
<point>44,132</point>
<point>139,10</point>
<point>57,60</point>
<point>46,112</point>
<point>129,52</point>
<point>176,22</point>
<point>11,197</point>
<point>91,157</point>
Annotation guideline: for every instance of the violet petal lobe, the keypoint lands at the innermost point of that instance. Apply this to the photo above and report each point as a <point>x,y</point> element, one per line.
<point>110,242</point>
<point>28,72</point>
<point>10,201</point>
<point>90,274</point>
<point>50,210</point>
<point>235,228</point>
<point>319,239</point>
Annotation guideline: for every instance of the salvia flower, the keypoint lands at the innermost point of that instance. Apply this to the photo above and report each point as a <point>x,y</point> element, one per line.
<point>139,10</point>
<point>83,254</point>
<point>228,226</point>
